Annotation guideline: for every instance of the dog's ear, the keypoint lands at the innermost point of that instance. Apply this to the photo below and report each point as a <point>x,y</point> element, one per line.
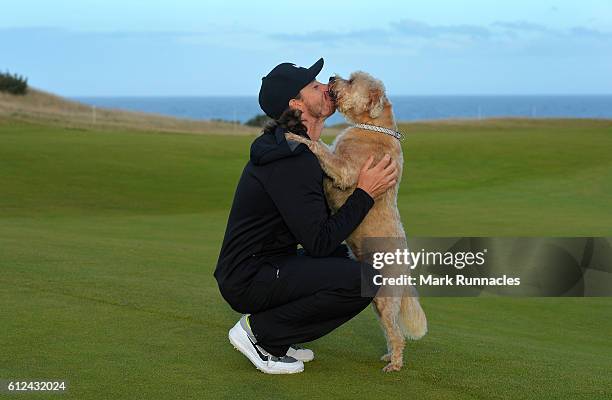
<point>376,103</point>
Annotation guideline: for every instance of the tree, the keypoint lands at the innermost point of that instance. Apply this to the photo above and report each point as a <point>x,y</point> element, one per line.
<point>13,83</point>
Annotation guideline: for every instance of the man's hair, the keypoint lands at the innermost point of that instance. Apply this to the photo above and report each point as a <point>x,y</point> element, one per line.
<point>291,120</point>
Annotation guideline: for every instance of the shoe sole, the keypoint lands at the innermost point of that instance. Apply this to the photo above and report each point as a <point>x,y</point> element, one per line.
<point>255,360</point>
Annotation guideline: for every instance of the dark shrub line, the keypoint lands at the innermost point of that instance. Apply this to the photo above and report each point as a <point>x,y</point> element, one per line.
<point>13,83</point>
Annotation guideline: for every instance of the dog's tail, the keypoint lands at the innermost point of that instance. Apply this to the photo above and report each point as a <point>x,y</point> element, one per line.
<point>412,317</point>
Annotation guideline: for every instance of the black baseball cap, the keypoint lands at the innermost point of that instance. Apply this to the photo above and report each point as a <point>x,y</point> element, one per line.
<point>282,84</point>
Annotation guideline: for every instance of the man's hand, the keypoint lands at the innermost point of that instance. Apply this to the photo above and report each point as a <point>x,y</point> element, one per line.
<point>376,180</point>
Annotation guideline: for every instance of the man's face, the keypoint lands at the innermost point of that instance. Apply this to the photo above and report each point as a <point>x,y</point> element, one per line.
<point>316,100</point>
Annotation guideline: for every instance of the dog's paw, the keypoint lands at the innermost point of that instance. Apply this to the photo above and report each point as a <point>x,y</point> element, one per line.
<point>391,367</point>
<point>297,138</point>
<point>386,357</point>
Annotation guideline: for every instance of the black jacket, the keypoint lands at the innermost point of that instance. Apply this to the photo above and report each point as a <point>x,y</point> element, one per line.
<point>279,203</point>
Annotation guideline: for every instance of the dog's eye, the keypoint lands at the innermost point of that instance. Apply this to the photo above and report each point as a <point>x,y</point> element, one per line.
<point>351,80</point>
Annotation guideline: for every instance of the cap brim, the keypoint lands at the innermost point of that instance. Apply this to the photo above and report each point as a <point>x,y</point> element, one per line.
<point>315,69</point>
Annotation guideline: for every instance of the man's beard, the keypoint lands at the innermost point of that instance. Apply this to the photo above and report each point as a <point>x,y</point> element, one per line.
<point>320,110</point>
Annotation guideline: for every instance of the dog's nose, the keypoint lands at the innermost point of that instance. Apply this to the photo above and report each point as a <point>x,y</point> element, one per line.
<point>332,79</point>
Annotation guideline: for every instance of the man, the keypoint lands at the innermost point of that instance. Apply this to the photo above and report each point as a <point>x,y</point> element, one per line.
<point>290,296</point>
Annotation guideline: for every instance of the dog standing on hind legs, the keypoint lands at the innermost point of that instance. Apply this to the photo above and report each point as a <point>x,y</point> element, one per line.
<point>362,100</point>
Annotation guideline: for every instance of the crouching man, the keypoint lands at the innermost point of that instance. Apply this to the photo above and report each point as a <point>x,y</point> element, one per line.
<point>290,296</point>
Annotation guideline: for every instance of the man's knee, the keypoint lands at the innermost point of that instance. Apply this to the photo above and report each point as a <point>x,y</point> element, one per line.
<point>360,279</point>
<point>368,285</point>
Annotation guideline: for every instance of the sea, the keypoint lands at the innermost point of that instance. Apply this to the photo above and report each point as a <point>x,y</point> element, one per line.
<point>406,108</point>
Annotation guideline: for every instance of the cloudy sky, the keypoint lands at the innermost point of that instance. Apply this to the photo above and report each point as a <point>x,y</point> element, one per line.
<point>201,48</point>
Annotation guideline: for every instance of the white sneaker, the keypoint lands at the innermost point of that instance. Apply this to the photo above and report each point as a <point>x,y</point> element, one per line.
<point>300,353</point>
<point>261,359</point>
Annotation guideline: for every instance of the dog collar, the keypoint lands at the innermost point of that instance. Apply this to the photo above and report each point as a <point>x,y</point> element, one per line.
<point>396,134</point>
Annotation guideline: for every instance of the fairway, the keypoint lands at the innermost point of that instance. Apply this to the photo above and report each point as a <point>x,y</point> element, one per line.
<point>108,242</point>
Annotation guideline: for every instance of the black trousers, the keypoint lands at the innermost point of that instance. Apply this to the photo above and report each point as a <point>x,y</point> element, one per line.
<point>297,299</point>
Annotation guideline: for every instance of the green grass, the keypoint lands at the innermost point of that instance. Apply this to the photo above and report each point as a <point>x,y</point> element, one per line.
<point>108,241</point>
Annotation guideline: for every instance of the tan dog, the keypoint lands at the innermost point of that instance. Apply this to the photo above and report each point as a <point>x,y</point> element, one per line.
<point>362,100</point>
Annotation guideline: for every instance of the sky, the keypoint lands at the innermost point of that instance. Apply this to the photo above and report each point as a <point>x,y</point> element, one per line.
<point>223,48</point>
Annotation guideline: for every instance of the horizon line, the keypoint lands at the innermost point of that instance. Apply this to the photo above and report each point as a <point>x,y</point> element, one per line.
<point>390,95</point>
